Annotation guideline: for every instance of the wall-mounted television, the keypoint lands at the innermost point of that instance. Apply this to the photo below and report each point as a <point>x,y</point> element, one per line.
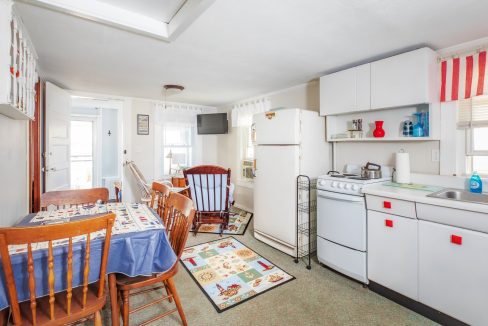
<point>212,124</point>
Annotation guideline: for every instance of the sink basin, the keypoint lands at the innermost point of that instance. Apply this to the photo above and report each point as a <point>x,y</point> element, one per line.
<point>460,195</point>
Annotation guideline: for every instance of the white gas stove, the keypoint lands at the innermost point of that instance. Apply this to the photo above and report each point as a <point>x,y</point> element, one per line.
<point>341,222</point>
<point>350,184</point>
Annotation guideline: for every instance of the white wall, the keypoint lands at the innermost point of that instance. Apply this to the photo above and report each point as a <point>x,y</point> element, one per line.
<point>13,170</point>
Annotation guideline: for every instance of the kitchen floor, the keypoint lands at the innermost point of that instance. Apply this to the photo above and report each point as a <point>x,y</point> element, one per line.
<point>317,297</point>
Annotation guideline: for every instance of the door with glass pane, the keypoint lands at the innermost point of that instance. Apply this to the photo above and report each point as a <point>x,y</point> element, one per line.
<point>177,147</point>
<point>82,154</point>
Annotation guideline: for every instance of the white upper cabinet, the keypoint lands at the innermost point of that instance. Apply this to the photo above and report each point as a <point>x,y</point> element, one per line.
<point>345,91</point>
<point>405,79</point>
<point>18,66</point>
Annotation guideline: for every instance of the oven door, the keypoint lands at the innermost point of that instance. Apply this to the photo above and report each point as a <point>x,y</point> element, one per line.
<point>341,219</point>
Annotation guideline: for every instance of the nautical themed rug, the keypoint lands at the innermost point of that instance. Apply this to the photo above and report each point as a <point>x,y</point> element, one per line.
<point>229,273</point>
<point>238,223</point>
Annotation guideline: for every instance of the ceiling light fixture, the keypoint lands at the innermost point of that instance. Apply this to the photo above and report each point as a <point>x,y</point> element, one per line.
<point>170,90</point>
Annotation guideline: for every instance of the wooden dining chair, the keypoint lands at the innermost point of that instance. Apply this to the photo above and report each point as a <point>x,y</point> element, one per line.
<point>63,198</point>
<point>209,189</point>
<point>159,196</point>
<point>179,215</point>
<point>64,307</point>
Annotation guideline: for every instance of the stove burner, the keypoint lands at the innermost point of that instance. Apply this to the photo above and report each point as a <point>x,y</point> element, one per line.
<point>337,175</point>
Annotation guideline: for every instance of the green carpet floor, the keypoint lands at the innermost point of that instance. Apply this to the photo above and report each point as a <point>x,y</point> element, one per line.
<point>317,297</point>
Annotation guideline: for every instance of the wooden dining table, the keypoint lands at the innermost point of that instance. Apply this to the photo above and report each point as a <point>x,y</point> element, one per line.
<point>139,247</point>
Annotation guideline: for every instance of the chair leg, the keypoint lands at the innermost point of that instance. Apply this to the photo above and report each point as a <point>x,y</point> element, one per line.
<point>172,288</point>
<point>125,309</point>
<point>98,319</point>
<point>168,291</point>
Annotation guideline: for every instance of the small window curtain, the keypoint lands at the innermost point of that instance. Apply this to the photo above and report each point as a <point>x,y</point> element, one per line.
<point>464,77</point>
<point>473,112</point>
<point>242,113</point>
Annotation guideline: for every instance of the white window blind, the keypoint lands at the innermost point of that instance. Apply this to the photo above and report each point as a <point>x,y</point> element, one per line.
<point>473,112</point>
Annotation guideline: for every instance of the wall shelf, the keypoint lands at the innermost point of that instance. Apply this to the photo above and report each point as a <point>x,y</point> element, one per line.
<point>13,113</point>
<point>384,139</point>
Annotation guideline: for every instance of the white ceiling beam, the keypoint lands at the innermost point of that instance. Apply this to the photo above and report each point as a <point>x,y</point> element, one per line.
<point>128,20</point>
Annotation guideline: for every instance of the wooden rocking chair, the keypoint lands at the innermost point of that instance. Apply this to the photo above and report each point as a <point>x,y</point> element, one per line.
<point>209,189</point>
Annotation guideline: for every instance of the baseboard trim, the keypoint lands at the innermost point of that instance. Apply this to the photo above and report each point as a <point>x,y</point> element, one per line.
<point>420,308</point>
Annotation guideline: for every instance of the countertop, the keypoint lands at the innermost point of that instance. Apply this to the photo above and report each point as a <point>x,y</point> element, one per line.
<point>420,196</point>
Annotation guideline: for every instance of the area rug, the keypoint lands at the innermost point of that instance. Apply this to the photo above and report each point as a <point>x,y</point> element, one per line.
<point>229,273</point>
<point>238,223</point>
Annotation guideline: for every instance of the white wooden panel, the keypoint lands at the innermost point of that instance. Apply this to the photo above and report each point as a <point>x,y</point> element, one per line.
<point>58,119</point>
<point>392,253</point>
<point>404,79</point>
<point>391,206</point>
<point>275,191</point>
<point>363,87</point>
<point>453,278</point>
<point>280,127</point>
<point>338,92</point>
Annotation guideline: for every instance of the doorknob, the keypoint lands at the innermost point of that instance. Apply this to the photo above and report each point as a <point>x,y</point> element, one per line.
<point>52,169</point>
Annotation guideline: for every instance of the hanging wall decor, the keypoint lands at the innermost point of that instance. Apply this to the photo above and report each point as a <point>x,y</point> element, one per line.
<point>143,124</point>
<point>464,77</point>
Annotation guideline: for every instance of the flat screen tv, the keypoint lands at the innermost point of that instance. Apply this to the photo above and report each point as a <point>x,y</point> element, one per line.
<point>212,124</point>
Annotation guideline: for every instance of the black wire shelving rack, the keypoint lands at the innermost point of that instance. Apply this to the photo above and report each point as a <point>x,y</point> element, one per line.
<point>306,231</point>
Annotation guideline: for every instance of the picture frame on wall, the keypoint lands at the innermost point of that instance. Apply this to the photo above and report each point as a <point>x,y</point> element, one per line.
<point>143,124</point>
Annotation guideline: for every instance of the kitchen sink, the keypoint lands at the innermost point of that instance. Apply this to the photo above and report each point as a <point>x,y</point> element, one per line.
<point>460,195</point>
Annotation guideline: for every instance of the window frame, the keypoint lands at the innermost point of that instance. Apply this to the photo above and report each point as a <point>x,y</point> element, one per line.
<point>471,152</point>
<point>190,147</point>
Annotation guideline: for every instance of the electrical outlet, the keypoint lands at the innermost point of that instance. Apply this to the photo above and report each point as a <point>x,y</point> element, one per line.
<point>435,155</point>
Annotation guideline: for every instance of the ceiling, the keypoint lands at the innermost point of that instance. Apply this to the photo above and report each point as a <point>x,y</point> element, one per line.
<point>162,10</point>
<point>237,49</point>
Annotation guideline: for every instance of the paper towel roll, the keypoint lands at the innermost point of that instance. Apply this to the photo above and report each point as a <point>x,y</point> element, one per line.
<point>402,168</point>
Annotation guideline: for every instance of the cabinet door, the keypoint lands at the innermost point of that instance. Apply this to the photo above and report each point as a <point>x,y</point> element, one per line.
<point>392,252</point>
<point>453,271</point>
<point>338,92</point>
<point>363,87</point>
<point>404,79</point>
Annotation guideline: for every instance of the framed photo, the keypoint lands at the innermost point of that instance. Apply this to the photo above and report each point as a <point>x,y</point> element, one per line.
<point>143,124</point>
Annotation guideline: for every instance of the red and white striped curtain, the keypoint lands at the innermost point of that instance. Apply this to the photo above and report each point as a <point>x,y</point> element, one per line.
<point>464,77</point>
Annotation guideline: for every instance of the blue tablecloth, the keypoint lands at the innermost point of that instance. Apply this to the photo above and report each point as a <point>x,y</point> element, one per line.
<point>133,254</point>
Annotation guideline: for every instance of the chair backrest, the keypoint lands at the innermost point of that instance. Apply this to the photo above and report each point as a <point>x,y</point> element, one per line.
<point>160,194</point>
<point>209,187</point>
<point>69,198</point>
<point>48,233</point>
<point>141,181</point>
<point>178,214</point>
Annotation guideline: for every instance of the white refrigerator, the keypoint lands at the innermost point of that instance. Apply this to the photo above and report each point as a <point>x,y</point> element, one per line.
<point>288,142</point>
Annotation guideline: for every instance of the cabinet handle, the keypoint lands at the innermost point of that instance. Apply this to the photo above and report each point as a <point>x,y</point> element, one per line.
<point>456,239</point>
<point>386,204</point>
<point>389,223</point>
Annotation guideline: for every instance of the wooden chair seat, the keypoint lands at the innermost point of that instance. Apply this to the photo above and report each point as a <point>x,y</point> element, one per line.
<point>93,304</point>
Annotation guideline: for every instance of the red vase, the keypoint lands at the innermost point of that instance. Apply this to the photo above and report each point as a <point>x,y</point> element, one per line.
<point>379,132</point>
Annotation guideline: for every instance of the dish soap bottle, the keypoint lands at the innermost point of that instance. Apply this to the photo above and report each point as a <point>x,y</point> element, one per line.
<point>475,184</point>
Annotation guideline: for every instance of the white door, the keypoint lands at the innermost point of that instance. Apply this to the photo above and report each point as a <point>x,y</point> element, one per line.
<point>58,120</point>
<point>392,252</point>
<point>342,219</point>
<point>280,127</point>
<point>453,271</point>
<point>275,191</point>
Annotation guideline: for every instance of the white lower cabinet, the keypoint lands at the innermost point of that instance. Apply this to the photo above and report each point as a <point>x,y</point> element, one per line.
<point>453,271</point>
<point>393,252</point>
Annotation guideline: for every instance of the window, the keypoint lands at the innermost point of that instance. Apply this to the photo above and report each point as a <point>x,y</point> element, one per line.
<point>177,147</point>
<point>473,116</point>
<point>247,153</point>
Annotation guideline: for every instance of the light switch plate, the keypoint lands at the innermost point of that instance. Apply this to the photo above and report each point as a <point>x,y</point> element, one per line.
<point>435,155</point>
